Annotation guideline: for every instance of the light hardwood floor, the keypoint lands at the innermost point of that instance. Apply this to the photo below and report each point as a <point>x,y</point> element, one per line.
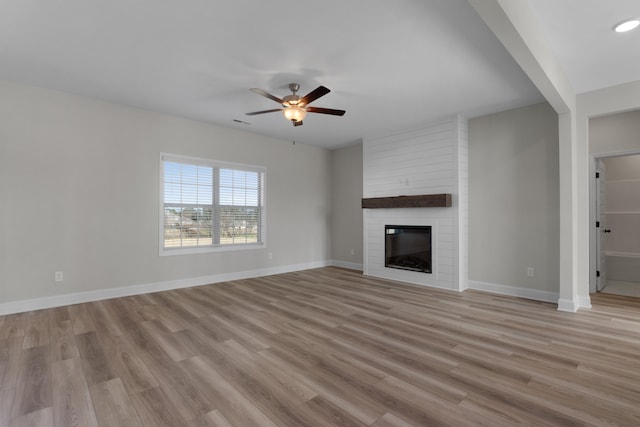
<point>321,347</point>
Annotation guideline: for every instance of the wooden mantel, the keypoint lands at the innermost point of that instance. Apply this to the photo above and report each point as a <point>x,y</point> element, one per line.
<point>422,201</point>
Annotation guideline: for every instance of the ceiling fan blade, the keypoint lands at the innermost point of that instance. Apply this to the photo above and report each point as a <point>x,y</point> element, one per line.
<point>313,95</point>
<point>263,111</point>
<point>266,94</point>
<point>325,111</point>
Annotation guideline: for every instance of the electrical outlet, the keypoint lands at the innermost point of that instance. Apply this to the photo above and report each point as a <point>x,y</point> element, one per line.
<point>353,252</point>
<point>59,276</point>
<point>530,272</point>
<point>270,255</point>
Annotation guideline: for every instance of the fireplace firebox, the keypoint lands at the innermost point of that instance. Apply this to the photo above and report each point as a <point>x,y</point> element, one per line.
<point>408,247</point>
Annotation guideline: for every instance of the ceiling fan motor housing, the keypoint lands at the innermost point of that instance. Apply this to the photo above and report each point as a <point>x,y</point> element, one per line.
<point>292,99</point>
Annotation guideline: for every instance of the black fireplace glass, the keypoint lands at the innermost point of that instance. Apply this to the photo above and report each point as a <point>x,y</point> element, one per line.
<point>408,247</point>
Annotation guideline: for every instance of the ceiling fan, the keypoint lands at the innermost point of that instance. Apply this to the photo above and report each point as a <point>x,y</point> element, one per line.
<point>295,108</point>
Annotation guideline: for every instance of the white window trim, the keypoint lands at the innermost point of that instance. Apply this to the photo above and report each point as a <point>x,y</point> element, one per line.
<point>217,164</point>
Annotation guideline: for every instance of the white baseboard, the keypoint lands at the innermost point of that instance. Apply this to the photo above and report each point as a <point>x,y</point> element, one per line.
<point>349,265</point>
<point>568,305</point>
<point>102,294</point>
<point>584,302</point>
<point>572,305</point>
<point>446,286</point>
<point>513,291</point>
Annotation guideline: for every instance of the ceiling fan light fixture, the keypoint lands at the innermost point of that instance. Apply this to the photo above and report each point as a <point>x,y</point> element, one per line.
<point>626,25</point>
<point>294,113</point>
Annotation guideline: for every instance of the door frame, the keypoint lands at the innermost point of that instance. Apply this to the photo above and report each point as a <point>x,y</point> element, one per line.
<point>601,192</point>
<point>594,235</point>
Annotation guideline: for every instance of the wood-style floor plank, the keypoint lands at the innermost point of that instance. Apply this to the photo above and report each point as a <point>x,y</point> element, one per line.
<point>81,318</point>
<point>72,406</point>
<point>10,356</point>
<point>13,325</point>
<point>41,418</point>
<point>96,366</point>
<point>127,365</point>
<point>177,385</point>
<point>111,403</point>
<point>234,405</point>
<point>37,329</point>
<point>156,409</point>
<point>61,336</point>
<point>33,388</point>
<point>323,347</point>
<point>7,396</point>
<point>211,419</point>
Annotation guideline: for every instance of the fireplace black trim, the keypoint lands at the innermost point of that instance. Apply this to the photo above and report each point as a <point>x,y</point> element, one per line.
<point>418,261</point>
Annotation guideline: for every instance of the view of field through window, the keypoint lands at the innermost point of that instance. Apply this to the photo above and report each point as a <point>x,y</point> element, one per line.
<point>209,206</point>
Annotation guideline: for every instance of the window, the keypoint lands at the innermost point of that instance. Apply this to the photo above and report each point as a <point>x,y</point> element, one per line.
<point>208,205</point>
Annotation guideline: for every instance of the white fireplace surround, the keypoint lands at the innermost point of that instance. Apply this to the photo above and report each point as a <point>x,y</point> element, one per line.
<point>431,160</point>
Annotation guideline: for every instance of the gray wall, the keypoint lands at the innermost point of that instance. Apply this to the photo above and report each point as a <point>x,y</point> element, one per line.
<point>346,217</point>
<point>514,198</point>
<point>616,133</point>
<point>79,192</point>
<point>623,167</point>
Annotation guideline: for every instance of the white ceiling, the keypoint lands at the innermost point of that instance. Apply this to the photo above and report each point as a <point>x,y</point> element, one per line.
<point>391,65</point>
<point>592,55</point>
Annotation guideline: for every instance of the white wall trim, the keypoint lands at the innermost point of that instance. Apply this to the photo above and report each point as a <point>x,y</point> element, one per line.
<point>145,288</point>
<point>584,302</point>
<point>513,291</point>
<point>102,294</point>
<point>435,285</point>
<point>568,305</point>
<point>344,264</point>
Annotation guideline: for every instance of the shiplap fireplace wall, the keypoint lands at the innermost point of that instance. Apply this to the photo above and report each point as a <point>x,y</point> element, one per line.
<point>431,160</point>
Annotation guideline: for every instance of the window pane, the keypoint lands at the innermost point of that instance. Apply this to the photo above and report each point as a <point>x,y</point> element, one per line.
<point>171,192</point>
<point>205,175</point>
<point>238,188</point>
<point>226,196</point>
<point>187,227</point>
<point>189,174</point>
<point>238,225</point>
<point>251,198</point>
<point>188,184</point>
<point>252,180</point>
<point>226,177</point>
<point>176,225</point>
<point>171,172</point>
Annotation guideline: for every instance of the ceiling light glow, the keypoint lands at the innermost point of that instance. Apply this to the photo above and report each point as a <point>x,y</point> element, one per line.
<point>626,25</point>
<point>294,113</point>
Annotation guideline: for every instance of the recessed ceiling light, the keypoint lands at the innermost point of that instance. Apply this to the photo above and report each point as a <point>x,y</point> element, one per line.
<point>626,25</point>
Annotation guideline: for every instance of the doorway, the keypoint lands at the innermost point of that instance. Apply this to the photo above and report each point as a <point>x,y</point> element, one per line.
<point>617,207</point>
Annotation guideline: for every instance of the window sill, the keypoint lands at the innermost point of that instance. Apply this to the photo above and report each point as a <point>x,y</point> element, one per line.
<point>210,249</point>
